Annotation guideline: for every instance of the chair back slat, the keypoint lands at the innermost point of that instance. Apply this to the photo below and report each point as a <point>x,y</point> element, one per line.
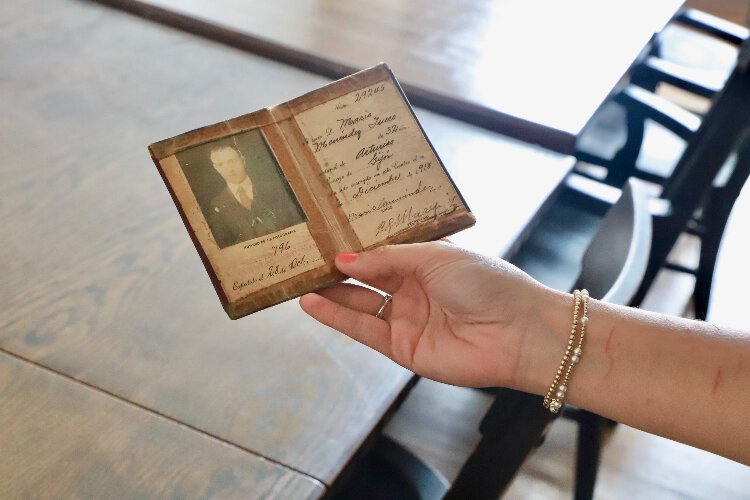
<point>692,179</point>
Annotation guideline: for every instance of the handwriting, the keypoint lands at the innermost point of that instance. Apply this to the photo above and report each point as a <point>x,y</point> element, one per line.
<point>239,285</point>
<point>383,175</point>
<point>276,269</point>
<point>349,121</point>
<point>324,143</point>
<point>368,92</point>
<point>386,204</point>
<point>412,215</point>
<point>373,148</point>
<point>378,121</point>
<point>297,261</point>
<point>378,159</point>
<point>362,190</point>
<point>281,247</point>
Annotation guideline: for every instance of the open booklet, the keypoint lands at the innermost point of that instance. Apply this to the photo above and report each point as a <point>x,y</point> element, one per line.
<point>269,198</point>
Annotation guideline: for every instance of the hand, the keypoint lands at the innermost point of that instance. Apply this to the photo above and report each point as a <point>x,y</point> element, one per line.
<point>464,319</point>
<point>456,317</point>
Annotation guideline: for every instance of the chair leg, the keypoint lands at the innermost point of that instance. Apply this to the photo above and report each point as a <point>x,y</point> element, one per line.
<point>510,431</point>
<point>716,213</point>
<point>623,165</point>
<point>589,448</point>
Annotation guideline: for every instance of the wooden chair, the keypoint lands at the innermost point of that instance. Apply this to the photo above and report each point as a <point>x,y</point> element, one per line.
<point>668,62</point>
<point>613,266</point>
<point>671,57</point>
<point>640,109</point>
<point>690,185</point>
<point>619,147</point>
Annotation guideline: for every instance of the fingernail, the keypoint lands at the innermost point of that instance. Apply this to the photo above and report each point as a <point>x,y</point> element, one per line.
<point>347,257</point>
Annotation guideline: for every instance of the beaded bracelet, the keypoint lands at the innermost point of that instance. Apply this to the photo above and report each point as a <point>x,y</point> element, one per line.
<point>558,389</point>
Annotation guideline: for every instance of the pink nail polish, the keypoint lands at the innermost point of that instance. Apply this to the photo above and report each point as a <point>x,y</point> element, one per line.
<point>347,257</point>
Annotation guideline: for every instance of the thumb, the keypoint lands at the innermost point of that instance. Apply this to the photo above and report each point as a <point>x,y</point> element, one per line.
<point>384,267</point>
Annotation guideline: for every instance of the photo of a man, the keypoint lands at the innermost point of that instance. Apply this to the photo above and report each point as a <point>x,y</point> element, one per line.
<point>247,199</point>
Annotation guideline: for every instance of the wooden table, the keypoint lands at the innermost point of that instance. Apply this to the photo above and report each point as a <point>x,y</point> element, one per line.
<point>120,374</point>
<point>536,70</point>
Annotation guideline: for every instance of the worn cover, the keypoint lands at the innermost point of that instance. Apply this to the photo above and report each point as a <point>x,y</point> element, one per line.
<point>269,198</point>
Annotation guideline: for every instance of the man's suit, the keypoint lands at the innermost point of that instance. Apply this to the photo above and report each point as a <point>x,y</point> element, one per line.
<point>232,223</point>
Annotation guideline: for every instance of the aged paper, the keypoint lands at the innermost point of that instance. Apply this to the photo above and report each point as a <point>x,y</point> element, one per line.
<point>377,161</point>
<point>253,264</point>
<point>270,197</point>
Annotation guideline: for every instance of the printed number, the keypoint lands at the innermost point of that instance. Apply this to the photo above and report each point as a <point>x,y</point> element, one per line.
<point>359,96</point>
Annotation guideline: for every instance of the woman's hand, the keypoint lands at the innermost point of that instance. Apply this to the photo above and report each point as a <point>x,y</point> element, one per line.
<point>456,316</point>
<point>467,320</point>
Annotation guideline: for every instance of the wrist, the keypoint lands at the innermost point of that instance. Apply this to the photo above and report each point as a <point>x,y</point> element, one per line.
<point>545,338</point>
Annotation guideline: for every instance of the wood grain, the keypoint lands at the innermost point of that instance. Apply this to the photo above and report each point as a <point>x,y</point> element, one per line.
<point>99,278</point>
<point>61,439</point>
<point>533,70</point>
<point>737,11</point>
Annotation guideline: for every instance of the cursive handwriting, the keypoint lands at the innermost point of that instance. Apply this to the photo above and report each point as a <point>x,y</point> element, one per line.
<point>378,158</point>
<point>378,121</point>
<point>239,285</point>
<point>324,143</point>
<point>371,189</point>
<point>412,216</point>
<point>276,269</point>
<point>384,175</point>
<point>349,121</point>
<point>386,204</point>
<point>373,148</point>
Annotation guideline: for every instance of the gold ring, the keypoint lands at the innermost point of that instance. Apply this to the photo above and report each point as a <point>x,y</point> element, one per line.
<point>386,300</point>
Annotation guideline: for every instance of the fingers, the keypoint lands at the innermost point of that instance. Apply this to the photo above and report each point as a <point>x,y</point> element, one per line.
<point>384,268</point>
<point>361,326</point>
<point>354,297</point>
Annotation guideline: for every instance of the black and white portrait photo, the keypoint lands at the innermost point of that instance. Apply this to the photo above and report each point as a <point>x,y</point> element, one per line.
<point>240,188</point>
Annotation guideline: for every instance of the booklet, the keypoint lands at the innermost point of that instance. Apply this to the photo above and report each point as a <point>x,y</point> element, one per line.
<point>269,198</point>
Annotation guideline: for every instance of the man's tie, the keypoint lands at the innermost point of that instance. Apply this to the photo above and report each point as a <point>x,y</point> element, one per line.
<point>244,198</point>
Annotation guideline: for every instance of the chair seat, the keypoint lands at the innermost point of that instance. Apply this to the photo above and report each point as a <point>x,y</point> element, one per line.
<point>553,251</point>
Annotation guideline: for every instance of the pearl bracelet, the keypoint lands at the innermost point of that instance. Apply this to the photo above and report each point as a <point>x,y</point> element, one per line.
<point>558,390</point>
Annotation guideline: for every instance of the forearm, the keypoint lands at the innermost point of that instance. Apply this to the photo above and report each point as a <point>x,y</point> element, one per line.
<point>682,379</point>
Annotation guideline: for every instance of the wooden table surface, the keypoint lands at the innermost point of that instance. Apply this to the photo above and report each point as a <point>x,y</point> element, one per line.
<point>61,439</point>
<point>119,371</point>
<point>536,70</point>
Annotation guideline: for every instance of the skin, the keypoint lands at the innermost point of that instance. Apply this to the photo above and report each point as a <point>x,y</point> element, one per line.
<point>464,319</point>
<point>230,164</point>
